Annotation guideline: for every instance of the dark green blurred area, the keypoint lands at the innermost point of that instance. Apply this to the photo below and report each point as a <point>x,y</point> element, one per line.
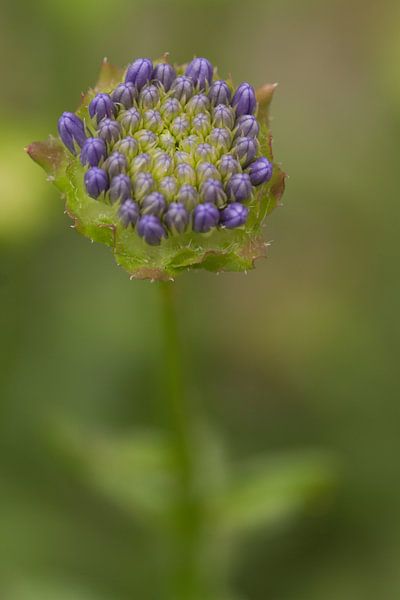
<point>299,355</point>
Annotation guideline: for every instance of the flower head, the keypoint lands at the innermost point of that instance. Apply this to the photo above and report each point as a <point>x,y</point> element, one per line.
<point>169,157</point>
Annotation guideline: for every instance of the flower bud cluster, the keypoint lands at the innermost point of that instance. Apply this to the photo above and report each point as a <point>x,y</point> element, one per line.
<point>176,151</point>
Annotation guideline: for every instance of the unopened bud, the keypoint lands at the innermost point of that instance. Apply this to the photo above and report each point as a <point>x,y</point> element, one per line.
<point>154,204</point>
<point>101,107</point>
<point>115,164</point>
<point>234,215</point>
<point>124,94</point>
<point>219,93</point>
<point>176,218</point>
<point>244,100</point>
<point>260,171</point>
<point>109,130</point>
<point>72,131</point>
<point>93,151</point>
<point>165,74</point>
<point>212,190</point>
<point>182,88</point>
<point>201,71</point>
<point>205,217</point>
<point>139,72</point>
<point>96,181</point>
<point>239,187</point>
<point>129,212</point>
<point>120,188</point>
<point>130,120</point>
<point>151,230</point>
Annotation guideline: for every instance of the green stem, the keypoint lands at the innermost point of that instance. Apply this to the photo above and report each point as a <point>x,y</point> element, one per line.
<point>186,584</point>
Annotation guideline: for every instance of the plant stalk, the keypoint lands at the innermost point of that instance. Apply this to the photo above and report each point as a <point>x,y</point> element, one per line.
<point>186,578</point>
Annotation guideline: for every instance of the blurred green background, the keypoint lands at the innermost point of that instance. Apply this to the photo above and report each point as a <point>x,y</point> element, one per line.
<point>300,356</point>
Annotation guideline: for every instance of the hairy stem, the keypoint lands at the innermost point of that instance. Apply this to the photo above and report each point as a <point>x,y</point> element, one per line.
<point>185,577</point>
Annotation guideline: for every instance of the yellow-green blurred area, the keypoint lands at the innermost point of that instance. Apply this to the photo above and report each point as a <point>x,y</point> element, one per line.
<point>296,361</point>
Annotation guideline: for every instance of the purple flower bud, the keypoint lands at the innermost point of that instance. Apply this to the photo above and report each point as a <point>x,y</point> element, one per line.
<point>109,130</point>
<point>129,212</point>
<point>239,187</point>
<point>223,116</point>
<point>96,181</point>
<point>140,163</point>
<point>247,126</point>
<point>198,103</point>
<point>165,74</point>
<point>152,120</point>
<point>71,130</point>
<point>244,100</point>
<point>149,96</point>
<point>201,71</point>
<point>188,196</point>
<point>151,230</point>
<point>93,151</point>
<point>130,120</point>
<point>212,190</point>
<point>260,171</point>
<point>228,166</point>
<point>120,188</point>
<point>101,106</point>
<point>154,204</point>
<point>219,93</point>
<point>220,138</point>
<point>143,184</point>
<point>204,152</point>
<point>190,143</point>
<point>147,139</point>
<point>163,165</point>
<point>170,108</point>
<point>182,88</point>
<point>139,72</point>
<point>167,141</point>
<point>182,157</point>
<point>176,218</point>
<point>168,186</point>
<point>245,150</point>
<point>127,146</point>
<point>124,94</point>
<point>185,173</point>
<point>234,215</point>
<point>180,126</point>
<point>201,124</point>
<point>205,217</point>
<point>115,164</point>
<point>207,170</point>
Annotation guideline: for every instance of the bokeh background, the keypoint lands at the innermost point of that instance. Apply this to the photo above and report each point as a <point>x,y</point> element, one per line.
<point>300,356</point>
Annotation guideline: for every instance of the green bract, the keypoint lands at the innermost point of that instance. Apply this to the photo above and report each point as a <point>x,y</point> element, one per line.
<point>219,250</point>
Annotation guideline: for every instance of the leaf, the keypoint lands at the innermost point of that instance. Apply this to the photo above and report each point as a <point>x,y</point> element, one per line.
<point>135,471</point>
<point>264,95</point>
<point>266,492</point>
<point>45,589</point>
<point>50,155</point>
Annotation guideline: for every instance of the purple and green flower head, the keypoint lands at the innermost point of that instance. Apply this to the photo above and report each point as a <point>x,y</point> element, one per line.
<point>170,165</point>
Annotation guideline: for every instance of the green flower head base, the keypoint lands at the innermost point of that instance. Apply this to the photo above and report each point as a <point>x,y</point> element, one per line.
<point>169,165</point>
